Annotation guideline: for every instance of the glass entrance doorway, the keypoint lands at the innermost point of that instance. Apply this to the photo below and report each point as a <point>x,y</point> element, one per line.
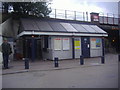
<point>85,41</point>
<point>34,50</point>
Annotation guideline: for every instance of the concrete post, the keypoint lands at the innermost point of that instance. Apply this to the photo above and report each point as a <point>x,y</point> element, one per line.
<point>102,59</point>
<point>81,60</point>
<point>26,63</point>
<point>56,64</point>
<point>119,57</point>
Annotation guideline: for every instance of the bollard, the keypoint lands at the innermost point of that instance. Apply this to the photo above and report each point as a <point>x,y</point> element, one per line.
<point>81,60</point>
<point>102,59</point>
<point>56,62</point>
<point>119,57</point>
<point>26,63</point>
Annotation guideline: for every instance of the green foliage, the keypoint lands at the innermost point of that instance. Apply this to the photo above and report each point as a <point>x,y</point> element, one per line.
<point>22,9</point>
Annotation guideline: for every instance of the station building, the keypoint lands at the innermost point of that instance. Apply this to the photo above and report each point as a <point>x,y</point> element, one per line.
<point>65,39</point>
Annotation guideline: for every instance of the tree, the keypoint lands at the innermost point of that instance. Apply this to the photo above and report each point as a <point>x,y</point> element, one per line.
<point>39,9</point>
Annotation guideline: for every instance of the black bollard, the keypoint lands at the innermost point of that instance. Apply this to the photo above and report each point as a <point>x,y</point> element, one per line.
<point>102,59</point>
<point>119,58</point>
<point>81,60</point>
<point>26,63</point>
<point>56,62</point>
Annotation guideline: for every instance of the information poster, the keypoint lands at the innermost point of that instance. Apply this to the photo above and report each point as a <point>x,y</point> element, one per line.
<point>77,44</point>
<point>95,43</point>
<point>66,44</point>
<point>57,44</point>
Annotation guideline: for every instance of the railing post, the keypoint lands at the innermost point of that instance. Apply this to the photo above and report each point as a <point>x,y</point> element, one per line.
<point>87,16</point>
<point>55,13</point>
<point>113,18</point>
<point>75,15</point>
<point>83,16</point>
<point>107,17</point>
<point>103,17</point>
<point>65,14</point>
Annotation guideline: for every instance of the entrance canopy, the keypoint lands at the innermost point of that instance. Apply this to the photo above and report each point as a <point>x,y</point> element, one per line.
<point>52,27</point>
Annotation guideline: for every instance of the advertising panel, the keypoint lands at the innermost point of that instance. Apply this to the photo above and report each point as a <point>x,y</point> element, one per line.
<point>77,44</point>
<point>95,43</point>
<point>57,44</point>
<point>66,44</point>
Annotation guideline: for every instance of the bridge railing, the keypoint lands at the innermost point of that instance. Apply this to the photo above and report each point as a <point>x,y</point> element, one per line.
<point>70,15</point>
<point>107,18</point>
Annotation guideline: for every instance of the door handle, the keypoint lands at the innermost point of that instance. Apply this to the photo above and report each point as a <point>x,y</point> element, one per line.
<point>88,46</point>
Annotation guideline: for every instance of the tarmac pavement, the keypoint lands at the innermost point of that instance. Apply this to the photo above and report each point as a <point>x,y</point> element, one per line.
<point>46,65</point>
<point>69,74</point>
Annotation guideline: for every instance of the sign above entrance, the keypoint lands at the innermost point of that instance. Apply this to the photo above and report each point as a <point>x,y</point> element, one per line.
<point>115,28</point>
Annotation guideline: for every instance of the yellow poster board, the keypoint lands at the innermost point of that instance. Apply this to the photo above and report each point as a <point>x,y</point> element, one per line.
<point>77,44</point>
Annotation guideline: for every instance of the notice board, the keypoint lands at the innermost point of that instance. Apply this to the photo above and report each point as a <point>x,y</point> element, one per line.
<point>95,43</point>
<point>98,42</point>
<point>77,44</point>
<point>66,43</point>
<point>57,44</point>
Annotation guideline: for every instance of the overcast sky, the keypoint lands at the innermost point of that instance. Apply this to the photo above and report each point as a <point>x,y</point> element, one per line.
<point>104,6</point>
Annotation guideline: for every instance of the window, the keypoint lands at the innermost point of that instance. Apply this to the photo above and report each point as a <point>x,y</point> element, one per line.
<point>57,43</point>
<point>66,43</point>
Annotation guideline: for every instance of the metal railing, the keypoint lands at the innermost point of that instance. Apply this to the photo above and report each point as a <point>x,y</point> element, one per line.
<point>70,15</point>
<point>108,18</point>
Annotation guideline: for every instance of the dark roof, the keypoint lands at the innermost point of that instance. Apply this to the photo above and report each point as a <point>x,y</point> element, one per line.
<point>42,25</point>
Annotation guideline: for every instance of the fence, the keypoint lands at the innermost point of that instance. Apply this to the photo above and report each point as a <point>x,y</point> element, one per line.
<point>70,15</point>
<point>107,18</point>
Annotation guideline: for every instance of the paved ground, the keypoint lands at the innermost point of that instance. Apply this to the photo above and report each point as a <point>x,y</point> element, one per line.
<point>69,74</point>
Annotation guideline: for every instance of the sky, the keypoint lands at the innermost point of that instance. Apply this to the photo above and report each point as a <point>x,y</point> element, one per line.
<point>101,6</point>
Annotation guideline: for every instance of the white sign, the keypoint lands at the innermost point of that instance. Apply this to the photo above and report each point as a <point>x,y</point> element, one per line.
<point>66,43</point>
<point>77,43</point>
<point>93,43</point>
<point>57,44</point>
